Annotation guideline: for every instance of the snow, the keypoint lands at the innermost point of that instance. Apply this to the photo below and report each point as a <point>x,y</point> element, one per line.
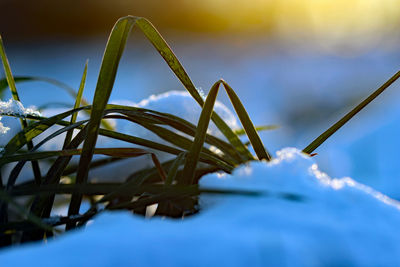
<point>15,108</point>
<point>367,149</point>
<point>12,108</point>
<point>301,217</point>
<point>181,104</point>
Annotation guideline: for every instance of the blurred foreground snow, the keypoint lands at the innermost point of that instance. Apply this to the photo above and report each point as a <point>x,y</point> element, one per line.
<point>301,218</point>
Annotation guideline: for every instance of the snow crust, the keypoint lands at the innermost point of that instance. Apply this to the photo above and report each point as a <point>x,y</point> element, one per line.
<point>301,217</point>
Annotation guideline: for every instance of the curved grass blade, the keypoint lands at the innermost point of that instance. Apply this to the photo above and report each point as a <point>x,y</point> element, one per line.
<point>14,93</point>
<point>173,171</point>
<point>35,129</point>
<point>22,211</point>
<point>325,135</point>
<point>61,85</point>
<point>241,131</point>
<point>94,164</point>
<point>43,205</point>
<point>112,55</point>
<point>205,116</point>
<point>68,89</point>
<point>54,104</point>
<point>17,169</point>
<point>114,152</point>
<point>202,126</point>
<point>179,124</point>
<point>243,116</point>
<point>248,126</point>
<point>170,58</point>
<point>7,71</point>
<point>175,139</point>
<point>78,101</point>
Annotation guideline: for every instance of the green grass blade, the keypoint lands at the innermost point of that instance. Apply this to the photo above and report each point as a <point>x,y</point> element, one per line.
<point>7,70</point>
<point>202,126</point>
<point>204,120</point>
<point>58,84</point>
<point>20,79</point>
<point>35,129</point>
<point>241,131</point>
<point>14,93</point>
<point>43,205</point>
<point>22,211</point>
<point>112,55</point>
<point>170,58</point>
<point>180,125</point>
<point>78,100</point>
<point>17,169</point>
<point>206,158</point>
<point>113,152</point>
<point>248,126</point>
<point>176,139</point>
<point>173,171</point>
<point>325,135</point>
<point>72,168</point>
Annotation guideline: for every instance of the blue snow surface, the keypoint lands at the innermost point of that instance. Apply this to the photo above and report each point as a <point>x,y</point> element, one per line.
<point>300,217</point>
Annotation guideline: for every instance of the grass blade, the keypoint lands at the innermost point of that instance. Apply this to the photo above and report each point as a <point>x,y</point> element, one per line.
<point>205,116</point>
<point>173,171</point>
<point>248,126</point>
<point>112,55</point>
<point>7,71</point>
<point>22,211</point>
<point>202,126</point>
<point>175,139</point>
<point>113,152</point>
<point>68,89</point>
<point>78,100</point>
<point>325,135</point>
<point>258,129</point>
<point>17,169</point>
<point>180,125</point>
<point>35,129</point>
<point>14,93</point>
<point>170,58</point>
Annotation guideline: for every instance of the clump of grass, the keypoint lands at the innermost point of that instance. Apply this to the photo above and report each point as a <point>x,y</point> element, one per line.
<point>175,191</point>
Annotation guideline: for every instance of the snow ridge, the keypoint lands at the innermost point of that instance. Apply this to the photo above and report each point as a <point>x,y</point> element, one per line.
<point>334,222</point>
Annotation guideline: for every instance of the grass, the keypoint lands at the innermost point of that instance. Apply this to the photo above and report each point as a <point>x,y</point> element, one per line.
<point>172,184</point>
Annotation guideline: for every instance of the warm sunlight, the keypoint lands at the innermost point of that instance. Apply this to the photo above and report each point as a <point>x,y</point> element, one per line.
<point>338,22</point>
